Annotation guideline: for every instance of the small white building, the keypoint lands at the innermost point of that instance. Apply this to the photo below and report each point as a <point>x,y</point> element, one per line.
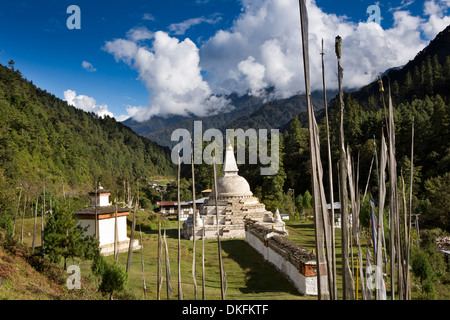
<point>337,214</point>
<point>104,213</point>
<point>169,208</point>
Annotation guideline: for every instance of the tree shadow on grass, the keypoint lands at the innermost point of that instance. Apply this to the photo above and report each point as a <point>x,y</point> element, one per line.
<point>260,275</point>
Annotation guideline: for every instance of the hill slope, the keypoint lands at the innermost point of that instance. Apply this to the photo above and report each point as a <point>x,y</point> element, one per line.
<point>418,77</point>
<point>43,137</point>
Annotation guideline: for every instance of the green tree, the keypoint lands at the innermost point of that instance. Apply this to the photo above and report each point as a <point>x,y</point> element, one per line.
<point>447,68</point>
<point>98,266</point>
<point>11,64</point>
<point>438,72</point>
<point>307,200</point>
<point>423,269</point>
<point>438,193</point>
<point>299,203</point>
<point>428,76</point>
<point>408,82</point>
<point>288,204</point>
<point>272,186</point>
<point>421,266</point>
<point>114,279</point>
<point>296,157</point>
<point>6,205</point>
<point>64,238</point>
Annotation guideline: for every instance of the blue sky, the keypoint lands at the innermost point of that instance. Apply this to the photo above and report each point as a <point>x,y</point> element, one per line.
<point>144,58</point>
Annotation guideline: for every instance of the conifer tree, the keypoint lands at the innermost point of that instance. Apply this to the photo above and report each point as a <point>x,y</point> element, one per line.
<point>114,279</point>
<point>438,72</point>
<point>64,237</point>
<point>408,82</point>
<point>447,68</point>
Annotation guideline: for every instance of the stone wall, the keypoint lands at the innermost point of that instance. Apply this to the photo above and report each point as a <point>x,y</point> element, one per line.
<point>295,262</point>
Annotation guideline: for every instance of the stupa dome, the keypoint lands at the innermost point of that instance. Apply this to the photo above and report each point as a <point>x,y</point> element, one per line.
<point>231,185</point>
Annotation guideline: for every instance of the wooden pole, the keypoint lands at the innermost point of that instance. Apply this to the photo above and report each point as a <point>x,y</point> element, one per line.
<point>42,231</point>
<point>159,270</point>
<point>395,234</point>
<point>203,263</point>
<point>168,276</point>
<point>222,288</point>
<point>333,290</point>
<point>17,210</point>
<point>95,210</point>
<point>347,277</point>
<point>116,253</point>
<point>381,292</point>
<point>194,218</point>
<point>180,291</point>
<point>43,200</point>
<point>142,263</point>
<point>408,245</point>
<point>133,226</point>
<point>35,223</point>
<point>23,216</point>
<point>320,210</point>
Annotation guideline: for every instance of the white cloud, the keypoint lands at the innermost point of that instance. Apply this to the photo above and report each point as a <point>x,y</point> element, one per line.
<point>254,75</point>
<point>86,103</point>
<point>263,48</point>
<point>148,17</point>
<point>269,32</point>
<point>180,28</point>
<point>438,20</point>
<point>88,66</point>
<point>139,33</point>
<point>404,4</point>
<point>122,118</point>
<point>171,73</point>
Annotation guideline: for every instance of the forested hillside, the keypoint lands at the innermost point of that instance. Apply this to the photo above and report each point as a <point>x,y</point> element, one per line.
<point>43,138</point>
<point>420,92</point>
<point>425,98</point>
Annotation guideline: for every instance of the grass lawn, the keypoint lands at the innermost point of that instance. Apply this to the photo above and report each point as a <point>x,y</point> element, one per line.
<point>249,276</point>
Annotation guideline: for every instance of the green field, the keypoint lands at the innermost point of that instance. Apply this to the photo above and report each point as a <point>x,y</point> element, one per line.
<point>249,276</point>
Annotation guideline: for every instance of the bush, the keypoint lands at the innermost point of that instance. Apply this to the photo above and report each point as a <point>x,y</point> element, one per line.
<point>99,265</point>
<point>6,223</point>
<point>15,247</point>
<point>42,265</point>
<point>114,279</point>
<point>421,266</point>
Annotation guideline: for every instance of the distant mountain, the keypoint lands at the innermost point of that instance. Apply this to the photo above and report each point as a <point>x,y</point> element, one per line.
<point>276,114</point>
<point>159,129</point>
<point>249,112</point>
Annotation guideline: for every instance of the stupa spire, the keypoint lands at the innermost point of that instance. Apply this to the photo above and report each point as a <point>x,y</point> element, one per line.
<point>230,167</point>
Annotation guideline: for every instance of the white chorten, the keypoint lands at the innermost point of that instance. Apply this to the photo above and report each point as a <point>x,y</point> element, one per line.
<point>235,203</point>
<point>105,214</point>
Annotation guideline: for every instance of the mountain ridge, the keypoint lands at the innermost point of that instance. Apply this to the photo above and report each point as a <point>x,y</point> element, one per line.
<point>249,112</point>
